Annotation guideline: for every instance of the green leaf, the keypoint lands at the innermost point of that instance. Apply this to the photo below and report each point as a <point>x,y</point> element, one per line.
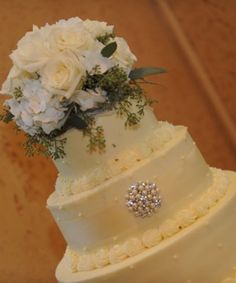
<point>109,49</point>
<point>76,122</point>
<point>140,73</point>
<point>8,117</point>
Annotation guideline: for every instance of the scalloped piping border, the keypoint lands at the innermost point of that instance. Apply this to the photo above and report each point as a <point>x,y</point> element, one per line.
<point>87,261</point>
<point>164,133</point>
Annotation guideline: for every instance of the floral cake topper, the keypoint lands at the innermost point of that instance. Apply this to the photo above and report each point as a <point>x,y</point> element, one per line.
<point>63,75</point>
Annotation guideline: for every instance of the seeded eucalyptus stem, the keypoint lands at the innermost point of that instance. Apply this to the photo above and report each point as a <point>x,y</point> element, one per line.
<point>123,95</point>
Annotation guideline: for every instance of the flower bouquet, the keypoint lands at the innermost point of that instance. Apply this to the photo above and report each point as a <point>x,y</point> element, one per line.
<point>63,75</point>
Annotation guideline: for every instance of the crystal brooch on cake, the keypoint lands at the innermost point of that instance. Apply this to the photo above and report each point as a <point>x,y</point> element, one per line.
<point>143,199</point>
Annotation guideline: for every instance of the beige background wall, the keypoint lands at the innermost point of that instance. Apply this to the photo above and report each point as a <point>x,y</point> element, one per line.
<point>193,39</point>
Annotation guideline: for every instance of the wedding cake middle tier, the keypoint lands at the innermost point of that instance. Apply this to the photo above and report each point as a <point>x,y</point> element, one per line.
<point>106,214</point>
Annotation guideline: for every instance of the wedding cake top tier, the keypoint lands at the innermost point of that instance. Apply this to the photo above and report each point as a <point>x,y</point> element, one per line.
<point>79,161</point>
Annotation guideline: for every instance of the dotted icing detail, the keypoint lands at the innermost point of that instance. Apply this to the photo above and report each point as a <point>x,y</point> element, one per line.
<point>86,261</point>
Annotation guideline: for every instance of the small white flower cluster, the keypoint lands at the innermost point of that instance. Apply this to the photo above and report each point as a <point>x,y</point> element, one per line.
<point>50,65</point>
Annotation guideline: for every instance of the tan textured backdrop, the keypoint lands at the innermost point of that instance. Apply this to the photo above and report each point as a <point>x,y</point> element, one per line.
<point>194,39</point>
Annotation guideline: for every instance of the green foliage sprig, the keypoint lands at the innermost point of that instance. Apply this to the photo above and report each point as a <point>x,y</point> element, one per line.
<point>104,39</point>
<point>6,117</point>
<point>43,144</point>
<point>123,95</point>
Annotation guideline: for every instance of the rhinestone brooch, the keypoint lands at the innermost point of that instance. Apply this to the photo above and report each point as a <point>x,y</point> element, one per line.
<point>143,199</point>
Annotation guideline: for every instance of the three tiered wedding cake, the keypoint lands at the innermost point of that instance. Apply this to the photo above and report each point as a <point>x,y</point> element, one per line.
<point>134,198</point>
<point>100,206</point>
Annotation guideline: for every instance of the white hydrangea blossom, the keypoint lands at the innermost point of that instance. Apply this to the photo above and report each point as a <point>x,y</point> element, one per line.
<point>91,59</point>
<point>90,98</point>
<point>123,55</point>
<point>36,108</point>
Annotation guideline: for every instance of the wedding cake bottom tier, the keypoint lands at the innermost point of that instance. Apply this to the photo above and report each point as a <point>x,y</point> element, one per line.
<point>204,252</point>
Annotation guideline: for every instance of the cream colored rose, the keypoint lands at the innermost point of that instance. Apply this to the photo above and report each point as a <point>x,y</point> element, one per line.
<point>32,52</point>
<point>123,55</point>
<point>70,21</point>
<point>62,74</point>
<point>70,37</point>
<point>97,28</point>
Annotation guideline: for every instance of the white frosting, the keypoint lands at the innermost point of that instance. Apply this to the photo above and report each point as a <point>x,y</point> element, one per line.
<point>169,228</point>
<point>89,207</point>
<point>200,208</point>
<point>152,135</point>
<point>85,262</point>
<point>154,236</point>
<point>185,217</point>
<point>164,262</point>
<point>133,246</point>
<point>71,259</point>
<point>101,258</point>
<point>117,254</point>
<point>87,218</point>
<point>151,238</point>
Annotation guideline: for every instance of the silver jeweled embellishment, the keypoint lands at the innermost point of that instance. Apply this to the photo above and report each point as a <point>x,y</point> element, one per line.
<point>143,199</point>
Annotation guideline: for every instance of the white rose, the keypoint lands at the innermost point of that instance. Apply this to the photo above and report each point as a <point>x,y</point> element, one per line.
<point>32,52</point>
<point>123,55</point>
<point>69,36</point>
<point>62,74</point>
<point>70,21</point>
<point>89,99</point>
<point>97,28</point>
